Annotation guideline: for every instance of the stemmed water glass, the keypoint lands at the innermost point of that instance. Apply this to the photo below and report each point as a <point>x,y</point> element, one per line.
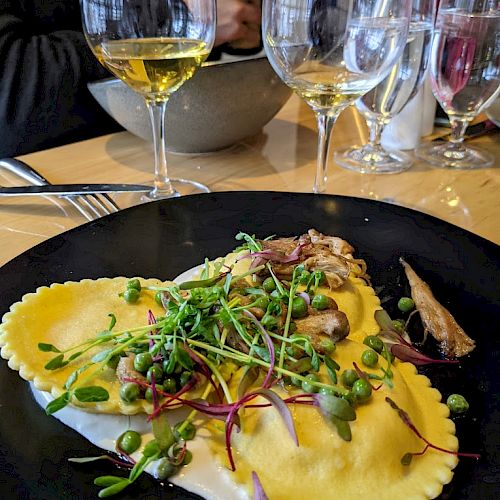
<point>465,75</point>
<point>390,96</point>
<point>153,46</point>
<point>332,52</point>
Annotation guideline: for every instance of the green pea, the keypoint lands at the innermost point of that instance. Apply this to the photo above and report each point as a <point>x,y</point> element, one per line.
<point>157,370</point>
<point>399,324</point>
<point>299,307</point>
<point>348,377</point>
<point>148,395</point>
<point>135,284</point>
<point>327,346</point>
<point>369,358</point>
<point>187,433</point>
<point>131,295</point>
<point>129,392</point>
<point>129,442</point>
<point>269,285</point>
<point>374,343</point>
<point>457,403</point>
<point>406,304</point>
<point>158,297</point>
<point>262,302</point>
<point>185,378</point>
<point>164,469</point>
<point>321,302</point>
<point>143,361</point>
<point>362,389</point>
<point>170,385</point>
<point>306,384</point>
<point>327,391</point>
<point>296,381</point>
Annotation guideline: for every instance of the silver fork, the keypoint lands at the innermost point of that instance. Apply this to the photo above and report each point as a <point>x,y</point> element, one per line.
<point>91,206</point>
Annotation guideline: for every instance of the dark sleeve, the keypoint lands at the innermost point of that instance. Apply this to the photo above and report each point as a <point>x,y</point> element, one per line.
<point>44,100</point>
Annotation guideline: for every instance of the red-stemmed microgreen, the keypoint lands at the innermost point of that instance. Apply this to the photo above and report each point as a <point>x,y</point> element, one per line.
<point>270,346</point>
<point>407,457</point>
<point>265,256</point>
<point>274,400</point>
<point>399,346</point>
<point>202,367</point>
<point>124,455</point>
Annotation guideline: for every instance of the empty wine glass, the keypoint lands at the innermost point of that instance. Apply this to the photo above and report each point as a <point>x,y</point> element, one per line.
<point>390,96</point>
<point>153,46</point>
<point>465,75</point>
<point>332,52</point>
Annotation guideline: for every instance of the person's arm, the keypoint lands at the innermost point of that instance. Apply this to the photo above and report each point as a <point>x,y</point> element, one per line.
<point>237,20</point>
<point>43,76</point>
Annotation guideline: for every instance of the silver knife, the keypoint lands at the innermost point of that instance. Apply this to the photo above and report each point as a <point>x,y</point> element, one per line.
<point>73,189</point>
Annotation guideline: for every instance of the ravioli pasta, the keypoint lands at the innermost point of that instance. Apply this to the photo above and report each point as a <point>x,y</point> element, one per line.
<point>324,466</point>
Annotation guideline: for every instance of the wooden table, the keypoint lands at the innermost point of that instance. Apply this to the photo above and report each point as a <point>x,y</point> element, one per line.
<point>281,158</point>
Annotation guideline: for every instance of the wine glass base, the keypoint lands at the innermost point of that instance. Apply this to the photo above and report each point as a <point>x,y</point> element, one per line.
<point>451,157</point>
<point>369,160</point>
<point>181,187</point>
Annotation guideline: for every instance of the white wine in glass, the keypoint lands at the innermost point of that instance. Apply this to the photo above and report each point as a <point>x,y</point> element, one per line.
<point>465,75</point>
<point>332,52</point>
<point>153,46</point>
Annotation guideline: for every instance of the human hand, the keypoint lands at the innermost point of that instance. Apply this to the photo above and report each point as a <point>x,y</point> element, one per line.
<point>238,20</point>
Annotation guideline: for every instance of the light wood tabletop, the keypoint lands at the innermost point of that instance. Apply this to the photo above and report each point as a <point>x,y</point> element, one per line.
<point>281,158</point>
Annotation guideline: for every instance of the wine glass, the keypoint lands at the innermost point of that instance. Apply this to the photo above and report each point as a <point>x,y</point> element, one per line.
<point>153,46</point>
<point>465,75</point>
<point>330,52</point>
<point>390,96</point>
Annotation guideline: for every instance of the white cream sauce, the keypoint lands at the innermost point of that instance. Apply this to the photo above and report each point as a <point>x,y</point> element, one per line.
<point>203,476</point>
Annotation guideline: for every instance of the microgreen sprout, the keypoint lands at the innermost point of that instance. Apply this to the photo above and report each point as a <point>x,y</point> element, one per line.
<point>407,457</point>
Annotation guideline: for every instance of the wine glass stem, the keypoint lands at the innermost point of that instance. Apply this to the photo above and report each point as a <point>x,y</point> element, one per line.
<point>326,121</point>
<point>458,128</point>
<point>162,186</point>
<point>376,128</point>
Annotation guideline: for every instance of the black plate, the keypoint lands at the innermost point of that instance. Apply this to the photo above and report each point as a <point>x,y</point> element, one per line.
<point>164,238</point>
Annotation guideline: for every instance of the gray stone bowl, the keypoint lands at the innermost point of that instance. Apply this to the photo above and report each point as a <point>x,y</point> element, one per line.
<point>222,104</point>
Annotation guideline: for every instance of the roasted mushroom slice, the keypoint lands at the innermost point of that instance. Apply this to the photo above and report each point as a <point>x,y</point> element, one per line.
<point>334,243</point>
<point>437,320</point>
<point>125,370</point>
<point>335,267</point>
<point>321,325</point>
